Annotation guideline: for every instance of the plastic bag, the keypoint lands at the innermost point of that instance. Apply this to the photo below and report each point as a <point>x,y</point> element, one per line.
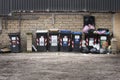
<point>93,50</point>
<point>103,51</point>
<point>85,50</point>
<point>85,29</point>
<point>91,26</point>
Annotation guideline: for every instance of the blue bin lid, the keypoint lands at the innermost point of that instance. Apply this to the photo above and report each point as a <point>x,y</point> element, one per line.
<point>65,31</point>
<point>77,33</point>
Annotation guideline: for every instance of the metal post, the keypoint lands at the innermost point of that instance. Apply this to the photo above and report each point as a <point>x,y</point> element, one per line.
<point>20,22</point>
<point>113,23</point>
<point>0,25</point>
<point>53,19</point>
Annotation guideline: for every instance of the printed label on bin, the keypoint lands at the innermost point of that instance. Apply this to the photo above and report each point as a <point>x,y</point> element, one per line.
<point>41,41</point>
<point>77,36</point>
<point>103,38</point>
<point>14,46</point>
<point>104,44</point>
<point>54,40</point>
<point>65,41</point>
<point>13,38</point>
<point>91,42</point>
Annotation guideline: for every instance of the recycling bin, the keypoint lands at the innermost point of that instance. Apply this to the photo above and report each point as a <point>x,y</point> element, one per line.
<point>53,40</point>
<point>42,40</point>
<point>104,38</point>
<point>91,41</point>
<point>15,43</point>
<point>65,40</point>
<point>76,41</point>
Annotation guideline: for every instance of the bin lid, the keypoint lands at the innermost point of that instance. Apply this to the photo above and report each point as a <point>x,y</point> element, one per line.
<point>14,34</point>
<point>42,31</point>
<point>77,33</point>
<point>101,29</point>
<point>65,31</point>
<point>53,30</point>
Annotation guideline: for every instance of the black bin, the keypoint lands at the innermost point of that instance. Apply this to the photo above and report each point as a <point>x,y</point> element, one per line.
<point>53,40</point>
<point>65,40</point>
<point>91,40</point>
<point>15,43</point>
<point>76,41</point>
<point>104,38</point>
<point>42,40</point>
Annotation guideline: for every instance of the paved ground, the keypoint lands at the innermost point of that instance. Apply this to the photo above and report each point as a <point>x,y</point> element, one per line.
<point>59,66</point>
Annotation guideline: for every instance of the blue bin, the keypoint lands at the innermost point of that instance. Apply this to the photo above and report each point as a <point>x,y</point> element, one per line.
<point>65,40</point>
<point>76,41</point>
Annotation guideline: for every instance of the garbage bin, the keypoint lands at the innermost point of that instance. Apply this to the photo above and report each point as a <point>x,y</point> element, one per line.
<point>104,38</point>
<point>65,40</point>
<point>42,40</point>
<point>15,44</point>
<point>91,41</point>
<point>53,40</point>
<point>76,41</point>
<point>104,43</point>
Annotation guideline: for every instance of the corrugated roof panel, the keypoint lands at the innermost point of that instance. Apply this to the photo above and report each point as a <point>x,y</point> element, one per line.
<point>117,5</point>
<point>66,5</point>
<point>100,5</point>
<point>60,5</point>
<point>4,6</point>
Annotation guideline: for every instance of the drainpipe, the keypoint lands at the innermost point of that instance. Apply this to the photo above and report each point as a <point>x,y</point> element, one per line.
<point>20,23</point>
<point>113,22</point>
<point>0,25</point>
<point>53,20</point>
<point>6,23</point>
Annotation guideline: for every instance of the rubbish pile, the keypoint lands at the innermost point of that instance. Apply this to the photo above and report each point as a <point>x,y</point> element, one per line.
<point>96,41</point>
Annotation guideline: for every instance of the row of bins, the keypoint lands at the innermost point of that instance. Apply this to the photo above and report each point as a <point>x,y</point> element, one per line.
<point>64,40</point>
<point>56,40</point>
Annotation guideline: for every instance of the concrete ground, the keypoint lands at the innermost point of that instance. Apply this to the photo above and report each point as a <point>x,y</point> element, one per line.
<point>59,66</point>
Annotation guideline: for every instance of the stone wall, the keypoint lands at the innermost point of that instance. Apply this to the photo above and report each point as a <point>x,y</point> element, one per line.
<point>73,22</point>
<point>117,28</point>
